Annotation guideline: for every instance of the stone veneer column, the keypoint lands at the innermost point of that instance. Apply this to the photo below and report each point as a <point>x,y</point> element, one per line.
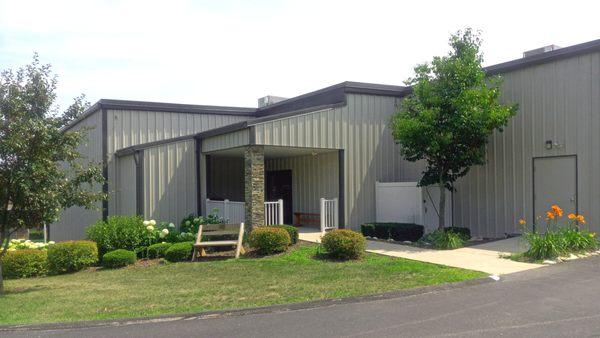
<point>254,186</point>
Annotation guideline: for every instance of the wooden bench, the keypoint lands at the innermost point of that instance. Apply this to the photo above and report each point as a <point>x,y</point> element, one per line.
<point>207,230</point>
<point>303,218</point>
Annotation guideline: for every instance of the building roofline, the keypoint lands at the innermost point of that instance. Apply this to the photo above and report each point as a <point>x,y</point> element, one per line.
<point>558,54</point>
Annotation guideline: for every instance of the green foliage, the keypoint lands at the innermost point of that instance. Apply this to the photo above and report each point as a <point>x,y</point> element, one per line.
<point>179,252</point>
<point>444,240</point>
<point>344,244</point>
<point>71,256</point>
<point>464,233</point>
<point>396,231</point>
<point>549,245</point>
<point>447,119</point>
<point>158,250</point>
<point>191,222</point>
<point>41,169</point>
<point>24,264</point>
<point>291,230</point>
<point>268,240</point>
<point>579,240</point>
<point>118,258</point>
<point>119,232</point>
<point>36,235</point>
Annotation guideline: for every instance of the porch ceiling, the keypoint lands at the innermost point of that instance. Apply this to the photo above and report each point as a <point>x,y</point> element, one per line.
<point>274,152</point>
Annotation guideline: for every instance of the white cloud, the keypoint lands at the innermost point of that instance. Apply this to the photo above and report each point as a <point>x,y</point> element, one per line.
<point>232,52</point>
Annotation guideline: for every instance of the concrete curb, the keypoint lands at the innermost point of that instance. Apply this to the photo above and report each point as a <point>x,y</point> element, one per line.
<point>247,311</point>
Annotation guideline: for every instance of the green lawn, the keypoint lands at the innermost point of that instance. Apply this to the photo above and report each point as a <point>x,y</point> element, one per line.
<point>296,276</point>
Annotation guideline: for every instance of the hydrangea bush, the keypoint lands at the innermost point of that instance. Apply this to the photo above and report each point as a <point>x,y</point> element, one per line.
<point>22,244</point>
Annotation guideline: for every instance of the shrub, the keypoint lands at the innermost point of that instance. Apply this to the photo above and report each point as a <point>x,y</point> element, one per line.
<point>444,240</point>
<point>36,235</point>
<point>118,258</point>
<point>291,230</point>
<point>269,240</point>
<point>464,233</point>
<point>25,263</point>
<point>344,244</point>
<point>179,252</point>
<point>25,244</point>
<point>71,256</point>
<point>396,231</point>
<point>141,252</point>
<point>119,232</point>
<point>158,250</point>
<point>191,222</point>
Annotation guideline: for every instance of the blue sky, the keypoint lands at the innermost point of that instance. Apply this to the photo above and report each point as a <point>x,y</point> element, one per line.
<point>233,52</point>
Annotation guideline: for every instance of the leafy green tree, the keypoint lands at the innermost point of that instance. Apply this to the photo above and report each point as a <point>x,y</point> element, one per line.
<point>447,119</point>
<point>41,171</point>
<point>75,110</point>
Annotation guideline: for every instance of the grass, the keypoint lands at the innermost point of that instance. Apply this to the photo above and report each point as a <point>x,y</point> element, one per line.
<point>296,276</point>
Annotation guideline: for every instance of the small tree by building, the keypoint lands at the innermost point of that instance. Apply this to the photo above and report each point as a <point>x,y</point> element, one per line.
<point>447,119</point>
<point>41,171</point>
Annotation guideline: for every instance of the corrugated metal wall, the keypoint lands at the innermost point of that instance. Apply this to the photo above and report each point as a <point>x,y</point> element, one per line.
<point>73,221</point>
<point>361,128</point>
<point>313,177</point>
<point>558,101</point>
<point>170,181</point>
<point>125,192</point>
<point>226,178</point>
<point>132,127</point>
<point>226,141</point>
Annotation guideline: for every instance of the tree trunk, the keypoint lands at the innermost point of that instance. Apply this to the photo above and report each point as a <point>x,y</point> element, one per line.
<point>442,207</point>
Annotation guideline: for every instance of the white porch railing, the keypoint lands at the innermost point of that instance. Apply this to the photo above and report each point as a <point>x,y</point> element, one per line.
<point>274,212</point>
<point>329,214</point>
<point>235,212</point>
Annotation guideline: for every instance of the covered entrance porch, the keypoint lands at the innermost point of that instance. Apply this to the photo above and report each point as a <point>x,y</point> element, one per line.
<point>262,185</point>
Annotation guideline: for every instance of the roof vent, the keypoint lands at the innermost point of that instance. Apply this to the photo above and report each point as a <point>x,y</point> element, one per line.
<point>541,50</point>
<point>269,100</point>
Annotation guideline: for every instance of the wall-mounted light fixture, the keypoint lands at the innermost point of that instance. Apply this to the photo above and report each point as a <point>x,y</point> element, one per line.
<point>548,145</point>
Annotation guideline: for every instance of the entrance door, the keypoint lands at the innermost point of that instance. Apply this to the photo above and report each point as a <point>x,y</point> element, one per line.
<point>554,182</point>
<point>279,186</point>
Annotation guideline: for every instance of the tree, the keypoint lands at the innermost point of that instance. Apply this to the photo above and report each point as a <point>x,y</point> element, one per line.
<point>75,110</point>
<point>41,171</point>
<point>452,110</point>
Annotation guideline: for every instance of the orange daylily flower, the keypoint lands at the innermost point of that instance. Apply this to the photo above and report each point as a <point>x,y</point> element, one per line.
<point>580,219</point>
<point>572,216</point>
<point>522,221</point>
<point>556,210</point>
<point>549,215</point>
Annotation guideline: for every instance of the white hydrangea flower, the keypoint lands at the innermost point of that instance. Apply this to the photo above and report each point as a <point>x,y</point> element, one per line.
<point>51,242</point>
<point>163,233</point>
<point>150,228</point>
<point>146,223</point>
<point>152,222</point>
<point>171,225</point>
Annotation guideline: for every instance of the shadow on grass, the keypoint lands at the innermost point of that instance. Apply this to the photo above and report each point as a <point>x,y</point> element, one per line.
<point>22,290</point>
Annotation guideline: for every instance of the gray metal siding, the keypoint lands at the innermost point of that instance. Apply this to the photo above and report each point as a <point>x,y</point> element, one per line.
<point>226,141</point>
<point>313,177</point>
<point>125,192</point>
<point>226,178</point>
<point>558,101</point>
<point>74,220</point>
<point>131,127</point>
<point>361,128</point>
<point>169,181</point>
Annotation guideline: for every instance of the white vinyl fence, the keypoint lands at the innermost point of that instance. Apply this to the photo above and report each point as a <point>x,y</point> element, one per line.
<point>274,212</point>
<point>329,214</point>
<point>235,212</point>
<point>232,212</point>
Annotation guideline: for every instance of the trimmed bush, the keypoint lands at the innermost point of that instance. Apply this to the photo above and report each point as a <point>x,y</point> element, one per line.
<point>396,231</point>
<point>158,250</point>
<point>268,240</point>
<point>291,230</point>
<point>119,232</point>
<point>24,264</point>
<point>179,252</point>
<point>118,258</point>
<point>344,244</point>
<point>464,233</point>
<point>141,252</point>
<point>71,256</point>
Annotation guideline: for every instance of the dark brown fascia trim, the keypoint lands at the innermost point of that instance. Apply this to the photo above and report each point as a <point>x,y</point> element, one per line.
<point>297,112</point>
<point>222,130</point>
<point>562,53</point>
<point>175,107</point>
<point>137,147</point>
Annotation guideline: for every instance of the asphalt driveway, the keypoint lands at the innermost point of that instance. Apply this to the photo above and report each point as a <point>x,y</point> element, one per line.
<point>556,301</point>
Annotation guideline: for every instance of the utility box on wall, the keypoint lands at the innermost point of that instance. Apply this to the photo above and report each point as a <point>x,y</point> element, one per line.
<point>405,202</point>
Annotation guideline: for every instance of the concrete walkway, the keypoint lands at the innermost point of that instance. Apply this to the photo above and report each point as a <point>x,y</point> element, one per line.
<point>483,257</point>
